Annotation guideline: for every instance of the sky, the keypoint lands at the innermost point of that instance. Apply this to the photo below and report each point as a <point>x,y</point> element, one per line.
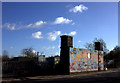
<point>40,24</point>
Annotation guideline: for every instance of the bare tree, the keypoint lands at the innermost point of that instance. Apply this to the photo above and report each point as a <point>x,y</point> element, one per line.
<point>116,48</point>
<point>5,56</point>
<point>89,46</point>
<point>28,52</point>
<point>92,45</point>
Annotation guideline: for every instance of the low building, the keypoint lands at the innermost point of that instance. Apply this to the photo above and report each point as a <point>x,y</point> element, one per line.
<point>56,59</point>
<point>41,58</point>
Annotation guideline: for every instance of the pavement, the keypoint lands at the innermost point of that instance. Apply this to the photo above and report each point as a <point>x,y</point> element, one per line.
<point>109,76</point>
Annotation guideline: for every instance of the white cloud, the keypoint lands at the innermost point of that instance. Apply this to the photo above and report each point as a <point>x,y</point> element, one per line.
<point>37,35</point>
<point>58,46</point>
<point>36,24</point>
<point>53,47</point>
<point>65,34</point>
<point>13,28</point>
<point>18,27</point>
<point>79,8</point>
<point>33,51</point>
<point>62,20</point>
<point>57,53</point>
<point>11,47</point>
<point>52,36</point>
<point>79,41</point>
<point>72,33</point>
<point>73,23</point>
<point>29,25</point>
<point>10,26</point>
<point>48,48</point>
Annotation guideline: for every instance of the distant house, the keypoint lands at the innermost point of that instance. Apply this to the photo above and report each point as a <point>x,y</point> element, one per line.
<point>41,58</point>
<point>56,59</point>
<point>53,60</point>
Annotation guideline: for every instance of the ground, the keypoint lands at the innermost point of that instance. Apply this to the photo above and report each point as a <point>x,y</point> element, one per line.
<point>109,76</point>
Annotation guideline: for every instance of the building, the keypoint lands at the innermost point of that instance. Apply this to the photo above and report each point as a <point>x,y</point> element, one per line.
<point>56,59</point>
<point>78,59</point>
<point>82,60</point>
<point>41,58</point>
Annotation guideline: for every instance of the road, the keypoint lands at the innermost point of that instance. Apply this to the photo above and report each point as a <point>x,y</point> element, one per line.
<point>109,76</point>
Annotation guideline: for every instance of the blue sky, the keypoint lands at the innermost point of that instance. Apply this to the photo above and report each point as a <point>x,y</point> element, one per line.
<point>40,25</point>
